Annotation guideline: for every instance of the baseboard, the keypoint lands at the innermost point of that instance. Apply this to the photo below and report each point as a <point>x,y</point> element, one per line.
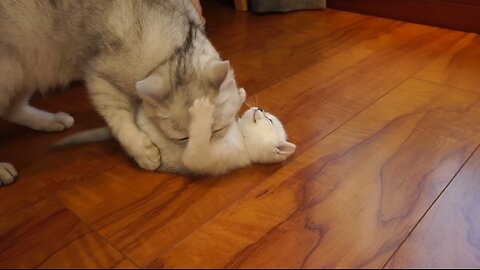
<point>463,15</point>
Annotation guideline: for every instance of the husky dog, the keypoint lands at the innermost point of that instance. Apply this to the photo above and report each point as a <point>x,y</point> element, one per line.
<point>113,45</point>
<point>257,137</point>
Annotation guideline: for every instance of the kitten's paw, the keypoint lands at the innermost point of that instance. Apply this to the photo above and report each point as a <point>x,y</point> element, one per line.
<point>146,154</point>
<point>7,173</point>
<point>58,122</point>
<point>202,108</point>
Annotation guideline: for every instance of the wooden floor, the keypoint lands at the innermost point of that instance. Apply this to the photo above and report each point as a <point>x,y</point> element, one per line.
<point>386,116</point>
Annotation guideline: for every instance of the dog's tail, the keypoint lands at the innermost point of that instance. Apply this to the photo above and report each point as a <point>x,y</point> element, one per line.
<point>88,136</point>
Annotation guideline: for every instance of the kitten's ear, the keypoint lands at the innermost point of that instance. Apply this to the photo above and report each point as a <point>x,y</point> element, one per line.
<point>217,72</point>
<point>285,149</point>
<point>152,89</point>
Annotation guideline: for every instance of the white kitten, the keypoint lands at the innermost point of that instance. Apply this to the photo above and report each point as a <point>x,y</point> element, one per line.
<point>257,137</point>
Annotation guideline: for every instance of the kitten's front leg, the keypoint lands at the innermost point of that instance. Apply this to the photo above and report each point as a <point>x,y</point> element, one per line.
<point>118,110</point>
<point>197,155</point>
<point>201,114</point>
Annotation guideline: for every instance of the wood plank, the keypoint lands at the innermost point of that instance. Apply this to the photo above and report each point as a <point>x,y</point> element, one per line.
<point>319,99</point>
<point>146,214</point>
<point>41,178</point>
<point>448,235</point>
<point>125,264</point>
<point>293,41</point>
<point>351,199</point>
<point>35,230</point>
<point>46,235</point>
<point>316,71</point>
<point>458,66</point>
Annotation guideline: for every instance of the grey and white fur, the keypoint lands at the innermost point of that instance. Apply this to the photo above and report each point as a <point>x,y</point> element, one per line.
<point>256,137</point>
<point>113,45</point>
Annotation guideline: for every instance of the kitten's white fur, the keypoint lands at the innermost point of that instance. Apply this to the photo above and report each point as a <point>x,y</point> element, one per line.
<point>257,137</point>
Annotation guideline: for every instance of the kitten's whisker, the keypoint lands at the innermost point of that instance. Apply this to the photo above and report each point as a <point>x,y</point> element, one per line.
<point>250,102</point>
<point>247,102</point>
<point>257,103</point>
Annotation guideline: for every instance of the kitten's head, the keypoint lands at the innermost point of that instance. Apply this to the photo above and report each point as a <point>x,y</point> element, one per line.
<point>170,90</point>
<point>265,137</point>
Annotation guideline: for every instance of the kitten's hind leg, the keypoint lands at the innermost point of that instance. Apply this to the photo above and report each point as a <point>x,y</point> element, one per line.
<point>23,114</point>
<point>7,173</point>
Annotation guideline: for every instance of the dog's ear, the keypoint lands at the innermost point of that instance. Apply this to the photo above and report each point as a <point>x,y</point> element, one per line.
<point>216,72</point>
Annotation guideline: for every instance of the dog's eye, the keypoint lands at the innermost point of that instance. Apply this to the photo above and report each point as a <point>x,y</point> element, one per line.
<point>183,139</point>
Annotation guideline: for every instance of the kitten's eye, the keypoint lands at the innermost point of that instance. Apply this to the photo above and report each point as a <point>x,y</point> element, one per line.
<point>183,139</point>
<point>269,119</point>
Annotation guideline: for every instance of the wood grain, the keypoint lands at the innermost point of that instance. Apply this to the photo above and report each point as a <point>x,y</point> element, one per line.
<point>325,210</point>
<point>46,235</point>
<point>458,66</point>
<point>448,235</point>
<point>292,44</point>
<point>379,132</point>
<point>125,264</point>
<point>161,210</point>
<point>146,213</point>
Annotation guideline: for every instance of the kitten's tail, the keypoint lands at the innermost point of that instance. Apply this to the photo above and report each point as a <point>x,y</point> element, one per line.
<point>88,136</point>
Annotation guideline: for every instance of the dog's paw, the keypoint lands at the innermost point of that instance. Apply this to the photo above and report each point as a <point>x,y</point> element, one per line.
<point>7,173</point>
<point>146,154</point>
<point>56,122</point>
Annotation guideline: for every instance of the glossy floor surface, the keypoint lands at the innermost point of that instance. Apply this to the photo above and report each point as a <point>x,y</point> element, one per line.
<point>386,117</point>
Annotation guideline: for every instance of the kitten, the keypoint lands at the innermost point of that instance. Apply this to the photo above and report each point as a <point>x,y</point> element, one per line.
<point>113,45</point>
<point>257,137</point>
